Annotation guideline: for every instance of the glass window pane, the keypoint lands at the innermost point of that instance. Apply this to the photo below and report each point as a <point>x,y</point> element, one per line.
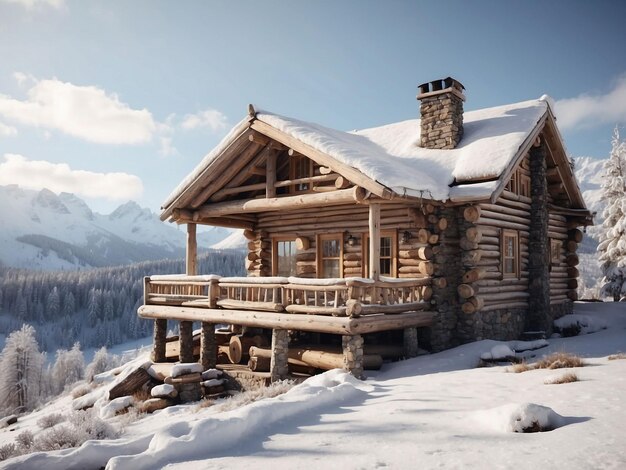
<point>385,246</point>
<point>385,267</point>
<point>508,266</point>
<point>286,258</point>
<point>331,268</point>
<point>330,249</point>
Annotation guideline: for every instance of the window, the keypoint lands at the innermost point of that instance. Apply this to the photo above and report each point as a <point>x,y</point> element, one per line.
<point>510,253</point>
<point>519,184</point>
<point>300,167</point>
<point>330,255</point>
<point>555,250</point>
<point>284,257</point>
<point>388,253</point>
<point>524,185</point>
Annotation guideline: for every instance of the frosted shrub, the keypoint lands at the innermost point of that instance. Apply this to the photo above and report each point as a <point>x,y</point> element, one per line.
<point>91,426</point>
<point>7,451</point>
<point>48,421</point>
<point>25,441</point>
<point>58,437</point>
<point>102,361</point>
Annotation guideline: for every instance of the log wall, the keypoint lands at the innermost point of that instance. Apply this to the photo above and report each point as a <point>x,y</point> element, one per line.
<point>414,256</point>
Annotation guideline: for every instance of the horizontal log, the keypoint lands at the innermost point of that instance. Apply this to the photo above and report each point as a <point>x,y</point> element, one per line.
<point>471,213</point>
<point>316,323</point>
<point>465,291</point>
<point>472,305</point>
<point>356,194</point>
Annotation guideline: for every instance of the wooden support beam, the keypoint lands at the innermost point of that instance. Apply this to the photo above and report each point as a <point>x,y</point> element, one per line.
<point>191,261</point>
<point>279,361</point>
<point>158,340</point>
<point>270,175</point>
<point>374,248</point>
<point>342,196</point>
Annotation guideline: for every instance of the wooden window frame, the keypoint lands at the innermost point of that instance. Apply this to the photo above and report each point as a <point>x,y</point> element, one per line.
<point>516,255</point>
<point>556,247</point>
<point>292,173</point>
<point>319,252</point>
<point>393,234</point>
<point>275,241</point>
<point>524,185</point>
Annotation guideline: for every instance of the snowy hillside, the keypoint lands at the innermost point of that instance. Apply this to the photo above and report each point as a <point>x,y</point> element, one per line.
<point>42,230</point>
<point>589,175</point>
<point>440,410</point>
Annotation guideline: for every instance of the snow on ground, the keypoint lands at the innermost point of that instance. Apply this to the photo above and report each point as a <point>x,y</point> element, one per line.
<point>438,411</point>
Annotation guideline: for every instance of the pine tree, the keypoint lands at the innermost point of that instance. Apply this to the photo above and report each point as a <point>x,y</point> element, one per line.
<point>612,246</point>
<point>20,368</point>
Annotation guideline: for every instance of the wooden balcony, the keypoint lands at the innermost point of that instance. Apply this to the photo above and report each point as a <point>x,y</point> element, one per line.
<point>340,306</point>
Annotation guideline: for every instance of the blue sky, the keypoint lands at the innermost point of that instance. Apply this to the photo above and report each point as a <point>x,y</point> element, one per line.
<point>121,99</point>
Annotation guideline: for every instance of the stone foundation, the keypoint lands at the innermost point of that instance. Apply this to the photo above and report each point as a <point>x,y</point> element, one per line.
<point>353,355</point>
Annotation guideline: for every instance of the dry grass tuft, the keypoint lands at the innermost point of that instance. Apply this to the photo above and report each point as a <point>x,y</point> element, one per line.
<point>249,396</point>
<point>81,390</point>
<point>615,357</point>
<point>564,379</point>
<point>141,395</point>
<point>553,361</point>
<point>559,361</point>
<point>521,367</point>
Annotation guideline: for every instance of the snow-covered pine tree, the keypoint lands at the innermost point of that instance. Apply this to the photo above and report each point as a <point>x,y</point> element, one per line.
<point>20,368</point>
<point>612,246</point>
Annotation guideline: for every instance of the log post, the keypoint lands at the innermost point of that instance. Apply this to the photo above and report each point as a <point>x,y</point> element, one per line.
<point>270,175</point>
<point>279,365</point>
<point>185,339</point>
<point>410,342</point>
<point>208,346</point>
<point>192,251</point>
<point>353,355</point>
<point>374,248</point>
<point>158,340</point>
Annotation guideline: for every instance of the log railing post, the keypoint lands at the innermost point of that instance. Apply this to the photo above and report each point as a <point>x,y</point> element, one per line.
<point>279,365</point>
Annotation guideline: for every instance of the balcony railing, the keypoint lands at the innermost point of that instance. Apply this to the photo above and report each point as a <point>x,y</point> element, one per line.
<point>350,297</point>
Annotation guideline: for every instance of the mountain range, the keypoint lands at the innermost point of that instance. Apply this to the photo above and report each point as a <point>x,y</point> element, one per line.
<point>43,230</point>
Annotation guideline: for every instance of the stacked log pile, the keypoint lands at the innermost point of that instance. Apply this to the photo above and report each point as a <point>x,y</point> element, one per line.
<point>574,237</point>
<point>258,260</point>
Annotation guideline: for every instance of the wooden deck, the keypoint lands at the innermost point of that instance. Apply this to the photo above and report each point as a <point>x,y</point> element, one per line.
<point>350,306</point>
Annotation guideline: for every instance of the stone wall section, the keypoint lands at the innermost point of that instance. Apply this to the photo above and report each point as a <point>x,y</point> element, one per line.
<point>442,121</point>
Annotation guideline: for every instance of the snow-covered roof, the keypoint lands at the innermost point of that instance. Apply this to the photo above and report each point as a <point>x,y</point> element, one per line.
<point>391,154</point>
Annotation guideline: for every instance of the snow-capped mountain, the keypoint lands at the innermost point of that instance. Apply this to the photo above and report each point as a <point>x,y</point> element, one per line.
<point>589,173</point>
<point>43,230</point>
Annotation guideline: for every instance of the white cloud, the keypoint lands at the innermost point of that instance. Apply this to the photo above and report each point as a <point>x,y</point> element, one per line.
<point>210,118</point>
<point>7,131</point>
<point>30,4</point>
<point>589,110</point>
<point>87,112</point>
<point>167,149</point>
<point>59,177</point>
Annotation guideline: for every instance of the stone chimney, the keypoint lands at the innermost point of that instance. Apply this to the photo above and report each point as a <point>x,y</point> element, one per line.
<point>441,109</point>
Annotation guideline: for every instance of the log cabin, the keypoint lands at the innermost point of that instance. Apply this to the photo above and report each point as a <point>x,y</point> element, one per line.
<point>450,228</point>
